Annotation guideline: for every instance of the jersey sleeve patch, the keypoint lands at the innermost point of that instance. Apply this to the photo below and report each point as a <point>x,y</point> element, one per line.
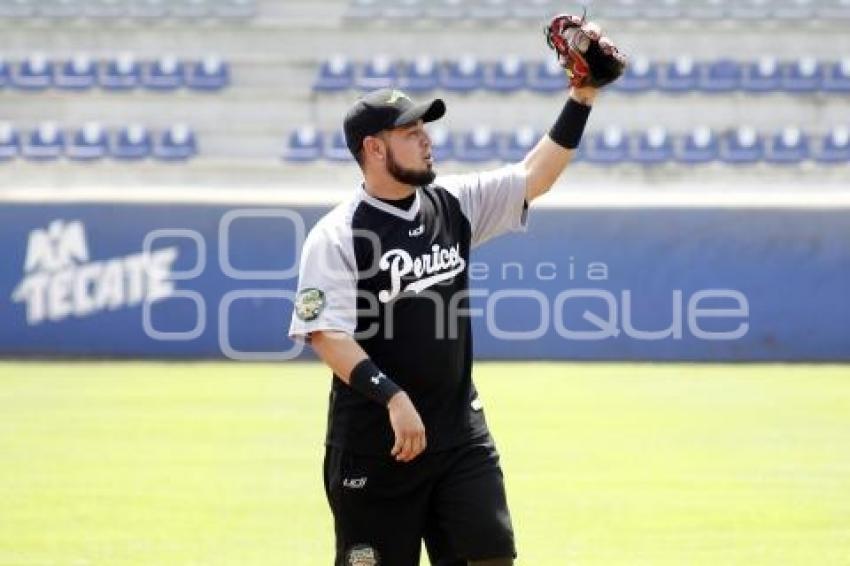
<point>309,304</point>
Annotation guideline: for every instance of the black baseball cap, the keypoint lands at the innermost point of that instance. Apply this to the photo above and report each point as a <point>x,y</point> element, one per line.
<point>385,109</point>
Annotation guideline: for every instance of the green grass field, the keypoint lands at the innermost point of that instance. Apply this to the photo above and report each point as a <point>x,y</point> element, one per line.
<point>148,463</point>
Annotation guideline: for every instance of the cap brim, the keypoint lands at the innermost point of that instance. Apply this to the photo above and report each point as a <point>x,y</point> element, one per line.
<point>427,112</point>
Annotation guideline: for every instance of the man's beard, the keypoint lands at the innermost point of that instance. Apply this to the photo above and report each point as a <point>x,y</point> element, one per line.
<point>408,176</point>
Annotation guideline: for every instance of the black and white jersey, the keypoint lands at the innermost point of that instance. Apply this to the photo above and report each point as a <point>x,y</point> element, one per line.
<point>397,282</point>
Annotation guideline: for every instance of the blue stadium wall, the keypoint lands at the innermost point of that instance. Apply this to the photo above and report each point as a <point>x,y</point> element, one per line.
<point>588,284</point>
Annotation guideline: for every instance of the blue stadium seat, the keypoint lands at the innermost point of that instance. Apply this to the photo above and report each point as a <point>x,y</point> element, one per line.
<point>421,75</point>
<point>618,9</point>
<point>608,147</point>
<point>17,8</point>
<point>640,76</point>
<point>708,10</point>
<point>445,10</point>
<point>835,147</point>
<point>836,78</point>
<point>802,76</point>
<point>4,74</point>
<point>442,143</point>
<point>123,73</point>
<point>403,10</point>
<point>44,143</point>
<point>654,147</point>
<point>336,149</point>
<point>235,9</point>
<point>80,73</point>
<point>335,74</point>
<point>762,76</point>
<point>60,9</point>
<point>535,10</point>
<point>380,72</point>
<point>654,10</point>
<point>35,73</point>
<point>507,75</point>
<point>793,10</point>
<point>365,10</point>
<point>208,74</point>
<point>679,76</point>
<point>105,9</point>
<point>518,143</point>
<point>752,10</point>
<point>89,143</point>
<point>133,142</point>
<point>788,147</point>
<point>464,75</point>
<point>833,10</point>
<point>166,73</point>
<point>743,146</point>
<point>699,146</point>
<point>478,146</point>
<point>720,76</point>
<point>190,9</point>
<point>148,9</point>
<point>10,142</point>
<point>547,77</point>
<point>177,143</point>
<point>492,10</point>
<point>304,145</point>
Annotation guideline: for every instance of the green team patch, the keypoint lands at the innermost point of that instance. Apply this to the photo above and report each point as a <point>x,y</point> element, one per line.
<point>309,304</point>
<point>362,555</point>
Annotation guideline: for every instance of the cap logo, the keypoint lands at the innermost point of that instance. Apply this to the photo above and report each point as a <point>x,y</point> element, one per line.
<point>395,95</point>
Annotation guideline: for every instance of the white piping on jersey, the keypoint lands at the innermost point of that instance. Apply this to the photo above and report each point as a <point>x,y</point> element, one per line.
<point>390,209</point>
<point>445,263</point>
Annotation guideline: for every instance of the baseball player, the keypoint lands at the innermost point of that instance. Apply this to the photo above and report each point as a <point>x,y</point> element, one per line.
<point>383,300</point>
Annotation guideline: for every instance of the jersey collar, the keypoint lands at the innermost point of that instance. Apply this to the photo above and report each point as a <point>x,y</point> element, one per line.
<point>408,215</point>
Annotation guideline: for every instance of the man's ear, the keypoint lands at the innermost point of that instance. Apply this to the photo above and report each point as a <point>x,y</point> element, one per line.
<point>375,147</point>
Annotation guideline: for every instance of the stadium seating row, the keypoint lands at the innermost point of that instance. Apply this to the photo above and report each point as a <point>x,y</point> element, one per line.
<point>609,147</point>
<point>697,10</point>
<point>806,75</point>
<point>81,72</point>
<point>135,9</point>
<point>93,142</point>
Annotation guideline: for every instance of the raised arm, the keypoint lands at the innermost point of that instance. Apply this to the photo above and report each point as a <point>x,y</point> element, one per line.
<point>591,62</point>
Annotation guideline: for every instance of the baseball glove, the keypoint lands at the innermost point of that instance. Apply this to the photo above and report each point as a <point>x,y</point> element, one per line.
<point>589,58</point>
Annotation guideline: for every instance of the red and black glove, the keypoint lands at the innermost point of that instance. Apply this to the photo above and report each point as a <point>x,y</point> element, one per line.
<point>589,58</point>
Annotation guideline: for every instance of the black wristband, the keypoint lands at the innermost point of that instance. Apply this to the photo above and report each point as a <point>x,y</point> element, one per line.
<point>570,124</point>
<point>371,382</point>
